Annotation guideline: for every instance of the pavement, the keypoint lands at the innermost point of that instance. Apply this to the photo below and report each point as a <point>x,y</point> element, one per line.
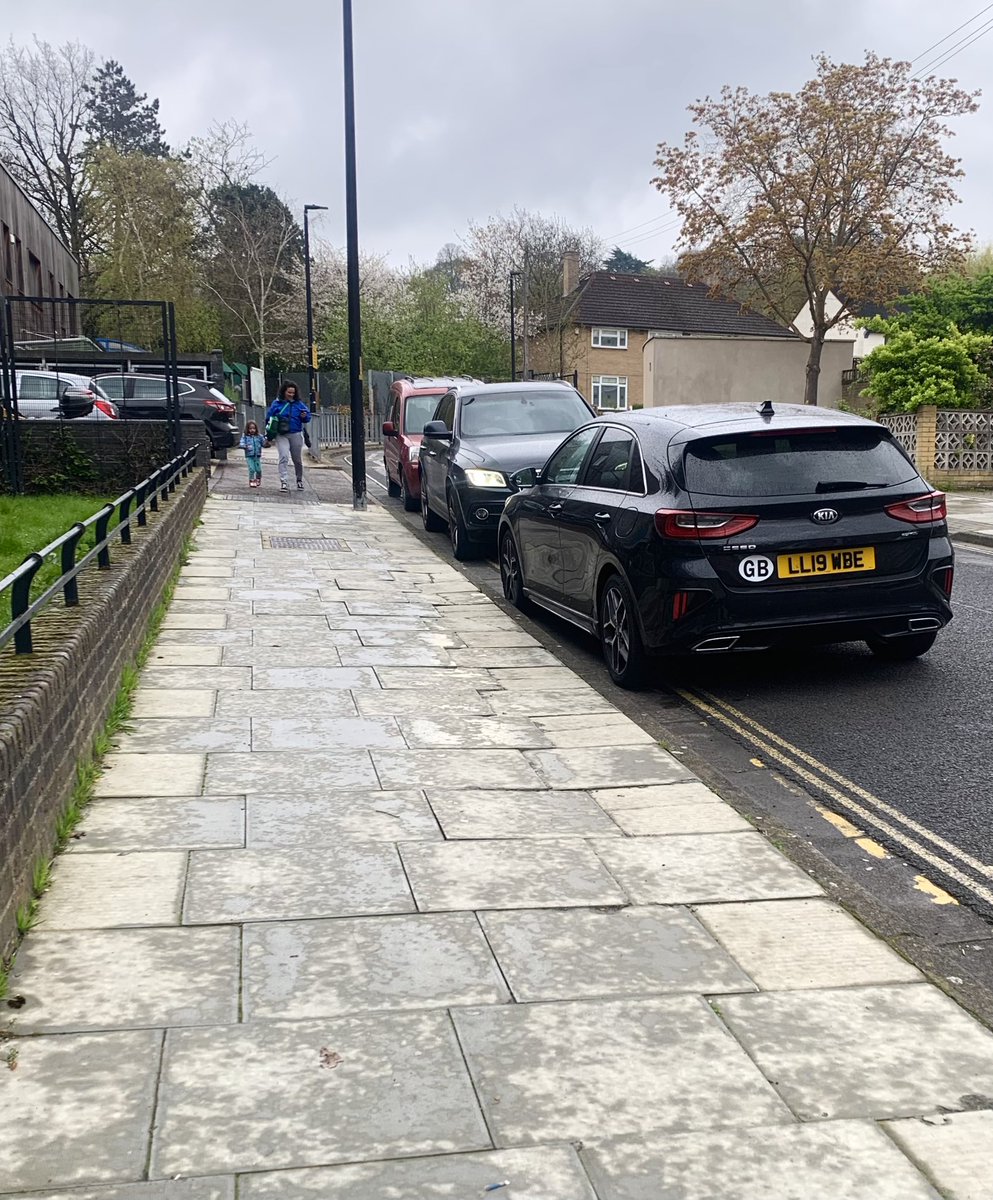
<point>970,517</point>
<point>379,900</point>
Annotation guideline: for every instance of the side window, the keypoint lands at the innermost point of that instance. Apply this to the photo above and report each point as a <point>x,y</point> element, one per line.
<point>565,464</point>
<point>38,387</point>
<point>395,413</point>
<point>150,389</point>
<point>446,411</point>
<point>615,463</point>
<point>112,386</point>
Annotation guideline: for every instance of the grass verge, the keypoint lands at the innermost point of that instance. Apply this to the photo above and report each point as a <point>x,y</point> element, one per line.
<point>28,523</point>
<point>90,765</point>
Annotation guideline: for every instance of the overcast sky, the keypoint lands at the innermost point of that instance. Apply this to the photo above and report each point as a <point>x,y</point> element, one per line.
<point>466,108</point>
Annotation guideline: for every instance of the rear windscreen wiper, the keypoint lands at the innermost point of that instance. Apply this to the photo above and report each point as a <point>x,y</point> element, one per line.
<point>845,485</point>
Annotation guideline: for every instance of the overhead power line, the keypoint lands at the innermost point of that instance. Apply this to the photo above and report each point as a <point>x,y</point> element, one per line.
<point>952,34</point>
<point>667,223</point>
<point>957,47</point>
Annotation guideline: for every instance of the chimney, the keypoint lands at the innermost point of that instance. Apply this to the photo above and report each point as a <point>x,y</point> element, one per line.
<point>570,272</point>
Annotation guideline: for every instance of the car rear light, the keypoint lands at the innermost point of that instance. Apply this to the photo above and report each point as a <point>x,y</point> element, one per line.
<point>922,510</point>
<point>106,408</point>
<point>221,406</point>
<point>684,523</point>
<point>944,579</point>
<point>685,602</point>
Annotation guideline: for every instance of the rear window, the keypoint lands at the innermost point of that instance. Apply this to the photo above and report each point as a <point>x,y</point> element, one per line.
<point>797,463</point>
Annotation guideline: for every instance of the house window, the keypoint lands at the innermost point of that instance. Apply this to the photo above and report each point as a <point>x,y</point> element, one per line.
<point>610,339</point>
<point>610,391</point>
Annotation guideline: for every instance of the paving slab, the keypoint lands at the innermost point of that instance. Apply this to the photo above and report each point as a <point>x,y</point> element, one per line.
<point>417,702</point>
<point>443,639</point>
<point>598,1069</point>
<point>852,1160</point>
<point>471,813</point>
<point>322,651</point>
<point>546,679</point>
<point>435,731</point>
<point>437,679</point>
<point>288,771</point>
<point>218,679</point>
<point>215,1188</point>
<point>184,656</point>
<point>178,620</point>
<point>789,944</point>
<point>508,874</point>
<point>309,1093</point>
<point>607,766</point>
<point>404,962</point>
<point>203,637</point>
<point>687,807</point>
<point>182,734</point>
<point>193,591</point>
<point>102,891</point>
<point>406,655</point>
<point>304,731</point>
<point>503,656</point>
<point>326,818</point>
<point>173,702</point>
<point>888,1051</point>
<point>541,1173</point>
<point>202,568</point>
<point>273,702</point>
<point>581,700</point>
<point>83,1109</point>
<point>954,1149</point>
<point>703,868</point>
<point>305,679</point>
<point>126,978</point>
<point>585,954</point>
<point>162,823</point>
<point>455,768</point>
<point>610,729</point>
<point>352,879</point>
<point>152,774</point>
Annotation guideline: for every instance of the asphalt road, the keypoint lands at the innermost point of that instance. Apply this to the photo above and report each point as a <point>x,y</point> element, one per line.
<point>901,750</point>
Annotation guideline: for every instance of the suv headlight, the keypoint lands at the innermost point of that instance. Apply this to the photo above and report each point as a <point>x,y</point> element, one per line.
<point>486,479</point>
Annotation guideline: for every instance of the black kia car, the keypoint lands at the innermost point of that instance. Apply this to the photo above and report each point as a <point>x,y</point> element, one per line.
<point>705,530</point>
<point>481,434</point>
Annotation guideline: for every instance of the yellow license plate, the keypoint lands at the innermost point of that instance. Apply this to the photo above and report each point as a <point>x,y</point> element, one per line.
<point>826,562</point>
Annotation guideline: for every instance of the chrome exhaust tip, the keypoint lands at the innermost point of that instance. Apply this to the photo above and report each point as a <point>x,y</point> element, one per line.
<point>923,624</point>
<point>716,644</point>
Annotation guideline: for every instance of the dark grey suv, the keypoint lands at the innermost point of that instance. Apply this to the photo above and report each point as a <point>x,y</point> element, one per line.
<point>483,433</point>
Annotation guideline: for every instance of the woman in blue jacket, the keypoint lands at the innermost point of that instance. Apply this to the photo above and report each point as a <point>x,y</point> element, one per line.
<point>286,418</point>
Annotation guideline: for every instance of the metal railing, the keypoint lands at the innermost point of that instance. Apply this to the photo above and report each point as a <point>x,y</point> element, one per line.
<point>331,428</point>
<point>145,498</point>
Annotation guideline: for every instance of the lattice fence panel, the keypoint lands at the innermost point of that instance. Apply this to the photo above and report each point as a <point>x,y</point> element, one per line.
<point>964,440</point>
<point>903,426</point>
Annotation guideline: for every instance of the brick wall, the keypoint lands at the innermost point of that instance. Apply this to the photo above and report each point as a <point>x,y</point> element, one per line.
<point>53,702</point>
<point>119,454</point>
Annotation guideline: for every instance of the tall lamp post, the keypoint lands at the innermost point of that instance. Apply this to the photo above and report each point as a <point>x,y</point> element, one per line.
<point>352,234</point>
<point>513,328</point>
<point>311,344</point>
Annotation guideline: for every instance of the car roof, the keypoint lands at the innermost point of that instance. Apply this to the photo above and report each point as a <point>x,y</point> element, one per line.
<point>714,419</point>
<point>522,385</point>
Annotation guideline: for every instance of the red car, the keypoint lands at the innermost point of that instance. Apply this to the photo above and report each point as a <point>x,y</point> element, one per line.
<point>412,402</point>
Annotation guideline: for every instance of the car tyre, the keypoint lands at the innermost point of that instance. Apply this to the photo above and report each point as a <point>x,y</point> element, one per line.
<point>620,638</point>
<point>902,649</point>
<point>462,547</point>
<point>392,489</point>
<point>511,573</point>
<point>409,502</point>
<point>431,522</point>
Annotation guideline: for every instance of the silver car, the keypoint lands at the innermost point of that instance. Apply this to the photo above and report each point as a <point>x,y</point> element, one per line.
<point>58,395</point>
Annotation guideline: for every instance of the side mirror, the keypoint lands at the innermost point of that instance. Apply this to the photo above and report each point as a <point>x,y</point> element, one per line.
<point>389,430</point>
<point>526,477</point>
<point>437,429</point>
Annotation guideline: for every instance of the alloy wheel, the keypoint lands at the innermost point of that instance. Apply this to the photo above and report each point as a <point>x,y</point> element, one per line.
<point>615,632</point>
<point>510,571</point>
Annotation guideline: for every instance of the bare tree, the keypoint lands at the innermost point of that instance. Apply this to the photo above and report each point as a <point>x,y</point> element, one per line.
<point>43,118</point>
<point>844,186</point>
<point>225,156</point>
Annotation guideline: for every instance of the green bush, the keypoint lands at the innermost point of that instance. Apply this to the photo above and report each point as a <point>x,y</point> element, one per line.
<point>912,370</point>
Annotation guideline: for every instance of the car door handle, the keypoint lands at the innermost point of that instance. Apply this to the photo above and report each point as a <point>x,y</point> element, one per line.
<point>554,508</point>
<point>430,454</point>
<point>601,516</point>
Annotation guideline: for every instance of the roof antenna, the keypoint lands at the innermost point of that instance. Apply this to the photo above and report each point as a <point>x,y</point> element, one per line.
<point>766,410</point>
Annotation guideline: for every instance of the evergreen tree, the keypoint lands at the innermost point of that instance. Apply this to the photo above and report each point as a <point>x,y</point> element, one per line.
<point>625,264</point>
<point>120,118</point>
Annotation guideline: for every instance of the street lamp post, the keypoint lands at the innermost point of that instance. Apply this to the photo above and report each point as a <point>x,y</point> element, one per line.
<point>352,235</point>
<point>311,344</point>
<point>513,329</point>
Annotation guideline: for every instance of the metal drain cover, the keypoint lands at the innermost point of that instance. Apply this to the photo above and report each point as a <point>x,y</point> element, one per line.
<point>306,543</point>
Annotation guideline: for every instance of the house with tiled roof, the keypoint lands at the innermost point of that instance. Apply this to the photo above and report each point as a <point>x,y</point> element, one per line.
<point>618,334</point>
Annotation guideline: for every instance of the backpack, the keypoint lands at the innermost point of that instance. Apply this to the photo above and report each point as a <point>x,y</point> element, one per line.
<point>278,422</point>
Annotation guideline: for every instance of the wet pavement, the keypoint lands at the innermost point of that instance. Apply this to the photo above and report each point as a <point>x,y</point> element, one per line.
<point>379,900</point>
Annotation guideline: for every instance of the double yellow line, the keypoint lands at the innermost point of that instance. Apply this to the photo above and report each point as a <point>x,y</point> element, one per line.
<point>870,810</point>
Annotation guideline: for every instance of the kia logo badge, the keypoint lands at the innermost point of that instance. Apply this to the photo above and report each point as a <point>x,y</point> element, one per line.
<point>824,516</point>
